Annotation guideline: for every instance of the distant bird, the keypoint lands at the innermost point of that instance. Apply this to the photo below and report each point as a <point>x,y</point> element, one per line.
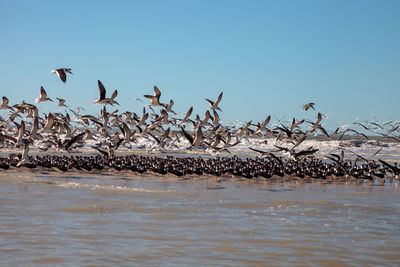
<point>61,102</point>
<point>168,107</point>
<point>103,100</point>
<point>4,104</point>
<point>187,115</point>
<point>214,105</point>
<point>62,73</point>
<point>43,96</point>
<point>307,106</point>
<point>155,100</point>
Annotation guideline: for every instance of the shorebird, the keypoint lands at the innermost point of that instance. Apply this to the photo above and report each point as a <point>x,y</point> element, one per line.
<point>155,100</point>
<point>214,105</point>
<point>62,73</point>
<point>4,104</point>
<point>186,118</point>
<point>194,142</point>
<point>103,100</point>
<point>43,96</point>
<point>61,102</point>
<point>168,107</point>
<point>308,105</point>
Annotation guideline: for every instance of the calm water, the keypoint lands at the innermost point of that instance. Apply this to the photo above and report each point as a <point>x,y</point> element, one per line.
<point>83,219</point>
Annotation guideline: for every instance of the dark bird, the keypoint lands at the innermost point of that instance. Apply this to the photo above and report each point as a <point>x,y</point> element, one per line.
<point>62,73</point>
<point>102,99</point>
<point>307,106</point>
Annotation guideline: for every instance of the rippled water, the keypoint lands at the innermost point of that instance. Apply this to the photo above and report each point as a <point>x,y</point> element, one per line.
<point>82,219</point>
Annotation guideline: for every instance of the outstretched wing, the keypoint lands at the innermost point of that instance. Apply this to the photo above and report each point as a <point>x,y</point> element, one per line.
<point>61,74</point>
<point>102,90</point>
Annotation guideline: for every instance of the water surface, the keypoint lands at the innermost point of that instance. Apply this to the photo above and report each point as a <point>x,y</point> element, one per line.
<point>82,219</point>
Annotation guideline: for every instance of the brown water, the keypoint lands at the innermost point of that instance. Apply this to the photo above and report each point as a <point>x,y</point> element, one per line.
<point>122,220</point>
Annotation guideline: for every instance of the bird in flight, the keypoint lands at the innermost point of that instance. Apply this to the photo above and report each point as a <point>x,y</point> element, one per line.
<point>102,99</point>
<point>214,105</point>
<point>308,105</point>
<point>62,73</point>
<point>155,100</point>
<point>43,96</point>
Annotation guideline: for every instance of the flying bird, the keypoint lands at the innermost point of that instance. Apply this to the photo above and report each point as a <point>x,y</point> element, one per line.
<point>61,102</point>
<point>62,73</point>
<point>308,105</point>
<point>155,100</point>
<point>102,99</point>
<point>4,103</point>
<point>43,96</point>
<point>214,105</point>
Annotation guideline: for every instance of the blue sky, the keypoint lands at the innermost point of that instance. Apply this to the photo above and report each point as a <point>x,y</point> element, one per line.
<point>268,57</point>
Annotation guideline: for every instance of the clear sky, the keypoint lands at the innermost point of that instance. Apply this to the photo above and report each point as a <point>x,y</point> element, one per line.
<point>268,57</point>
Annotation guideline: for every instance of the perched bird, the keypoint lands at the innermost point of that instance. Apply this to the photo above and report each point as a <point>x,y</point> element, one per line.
<point>62,73</point>
<point>214,105</point>
<point>43,96</point>
<point>307,106</point>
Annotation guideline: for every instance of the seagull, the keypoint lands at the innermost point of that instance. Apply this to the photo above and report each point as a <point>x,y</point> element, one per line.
<point>155,100</point>
<point>214,105</point>
<point>103,99</point>
<point>43,96</point>
<point>62,73</point>
<point>308,105</point>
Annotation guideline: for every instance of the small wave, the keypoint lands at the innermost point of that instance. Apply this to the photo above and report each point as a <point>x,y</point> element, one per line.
<point>110,188</point>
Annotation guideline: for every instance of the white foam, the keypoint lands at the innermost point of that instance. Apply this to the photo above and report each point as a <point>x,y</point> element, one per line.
<point>110,188</point>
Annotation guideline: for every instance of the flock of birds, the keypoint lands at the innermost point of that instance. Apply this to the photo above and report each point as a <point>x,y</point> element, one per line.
<point>23,128</point>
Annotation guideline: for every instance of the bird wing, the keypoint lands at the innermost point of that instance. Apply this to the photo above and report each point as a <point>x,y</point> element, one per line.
<point>188,114</point>
<point>187,136</point>
<point>219,98</point>
<point>75,139</point>
<point>149,96</point>
<point>102,90</point>
<point>259,151</point>
<point>210,101</point>
<point>157,92</point>
<point>61,74</point>
<point>43,94</point>
<point>114,95</point>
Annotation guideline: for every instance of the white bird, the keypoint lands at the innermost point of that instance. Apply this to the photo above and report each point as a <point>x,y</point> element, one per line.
<point>43,96</point>
<point>62,73</point>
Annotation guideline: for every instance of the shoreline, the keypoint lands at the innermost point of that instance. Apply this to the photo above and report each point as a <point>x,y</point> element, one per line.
<point>127,174</point>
